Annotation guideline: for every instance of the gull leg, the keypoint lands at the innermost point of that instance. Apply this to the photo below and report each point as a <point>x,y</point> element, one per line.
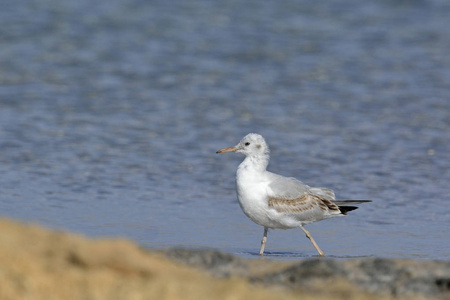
<point>263,242</point>
<point>309,236</point>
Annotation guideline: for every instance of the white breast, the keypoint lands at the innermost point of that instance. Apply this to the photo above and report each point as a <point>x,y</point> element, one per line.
<point>253,198</point>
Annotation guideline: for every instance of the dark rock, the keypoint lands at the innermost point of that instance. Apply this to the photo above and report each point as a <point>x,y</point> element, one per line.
<point>304,272</point>
<point>381,276</point>
<point>388,277</point>
<point>406,278</point>
<point>218,263</point>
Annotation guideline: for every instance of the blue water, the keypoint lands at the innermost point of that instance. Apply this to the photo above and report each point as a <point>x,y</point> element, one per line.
<point>111,113</point>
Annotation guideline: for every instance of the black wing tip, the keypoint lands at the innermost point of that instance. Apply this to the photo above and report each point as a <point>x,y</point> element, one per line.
<point>354,201</point>
<point>345,209</point>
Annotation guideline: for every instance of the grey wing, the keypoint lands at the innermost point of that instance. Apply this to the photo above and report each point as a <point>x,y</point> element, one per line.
<point>287,187</point>
<point>324,192</point>
<point>292,188</point>
<point>289,195</point>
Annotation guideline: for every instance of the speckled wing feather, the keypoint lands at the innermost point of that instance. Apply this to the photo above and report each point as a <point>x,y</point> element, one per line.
<point>306,203</point>
<point>289,195</point>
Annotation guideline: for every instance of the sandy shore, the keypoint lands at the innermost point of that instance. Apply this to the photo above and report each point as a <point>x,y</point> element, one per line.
<point>37,263</point>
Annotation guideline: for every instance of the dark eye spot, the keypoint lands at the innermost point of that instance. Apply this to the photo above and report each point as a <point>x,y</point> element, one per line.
<point>246,144</point>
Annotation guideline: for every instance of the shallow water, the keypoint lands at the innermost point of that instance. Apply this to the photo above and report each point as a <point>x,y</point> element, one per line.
<point>111,113</point>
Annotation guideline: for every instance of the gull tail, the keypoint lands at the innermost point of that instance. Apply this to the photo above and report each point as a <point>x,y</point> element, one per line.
<point>344,208</point>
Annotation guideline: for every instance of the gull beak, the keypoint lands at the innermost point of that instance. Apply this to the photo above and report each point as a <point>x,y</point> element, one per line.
<point>228,149</point>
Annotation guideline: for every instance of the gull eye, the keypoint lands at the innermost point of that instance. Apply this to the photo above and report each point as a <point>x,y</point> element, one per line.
<point>246,144</point>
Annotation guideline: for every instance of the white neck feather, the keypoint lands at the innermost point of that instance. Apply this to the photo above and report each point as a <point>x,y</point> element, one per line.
<point>255,163</point>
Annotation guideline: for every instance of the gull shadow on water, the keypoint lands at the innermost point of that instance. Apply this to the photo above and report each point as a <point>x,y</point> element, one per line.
<point>287,255</point>
<point>350,256</point>
<point>277,254</point>
<point>378,222</point>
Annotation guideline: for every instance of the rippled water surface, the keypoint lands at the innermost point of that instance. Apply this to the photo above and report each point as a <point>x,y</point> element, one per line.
<point>111,113</point>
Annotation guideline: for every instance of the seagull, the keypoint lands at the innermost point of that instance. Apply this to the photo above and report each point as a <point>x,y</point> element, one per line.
<point>275,201</point>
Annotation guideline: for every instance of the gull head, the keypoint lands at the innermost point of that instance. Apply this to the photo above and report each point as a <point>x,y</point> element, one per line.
<point>251,145</point>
